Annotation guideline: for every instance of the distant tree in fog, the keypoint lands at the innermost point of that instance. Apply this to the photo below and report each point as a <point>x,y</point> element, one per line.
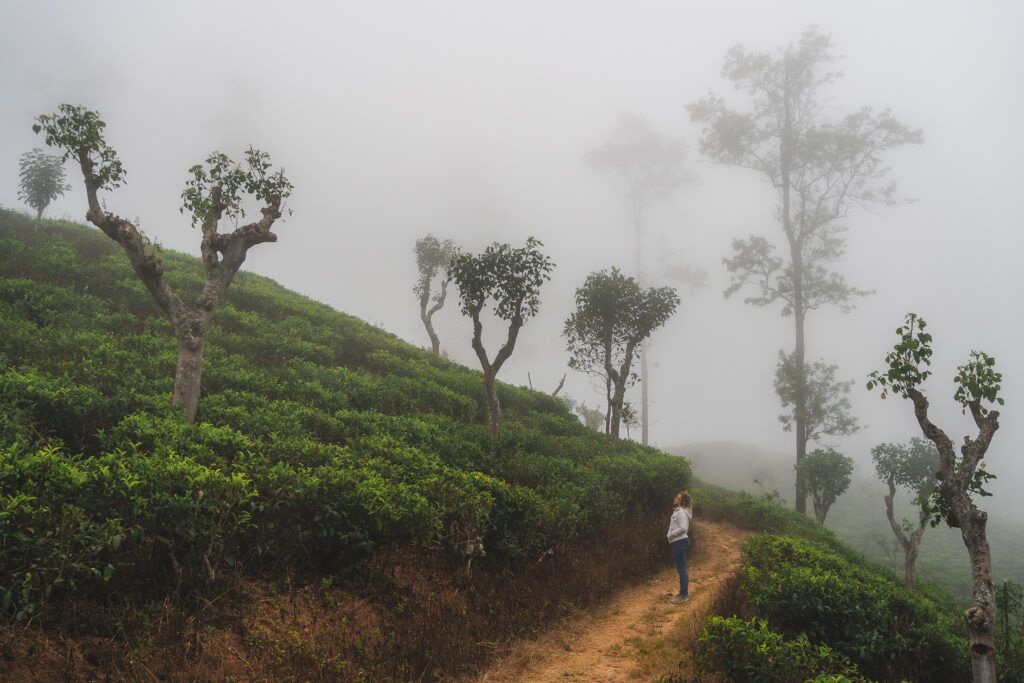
<point>912,467</point>
<point>960,478</point>
<point>592,417</point>
<point>825,474</point>
<point>41,180</point>
<point>511,278</point>
<point>826,405</point>
<point>433,258</point>
<point>214,191</point>
<point>613,317</point>
<point>648,167</point>
<point>820,166</point>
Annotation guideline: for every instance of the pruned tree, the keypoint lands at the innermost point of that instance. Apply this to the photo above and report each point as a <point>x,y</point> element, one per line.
<point>826,408</point>
<point>511,278</point>
<point>648,168</point>
<point>960,478</point>
<point>912,467</point>
<point>613,317</point>
<point>821,167</point>
<point>41,180</point>
<point>215,190</point>
<point>433,258</point>
<point>826,475</point>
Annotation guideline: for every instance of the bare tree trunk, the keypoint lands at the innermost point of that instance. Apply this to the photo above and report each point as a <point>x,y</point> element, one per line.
<point>644,415</point>
<point>427,314</point>
<point>608,407</point>
<point>909,560</point>
<point>188,377</point>
<point>796,255</point>
<point>980,616</point>
<point>493,405</point>
<point>616,406</point>
<point>39,216</point>
<point>820,511</point>
<point>800,403</point>
<point>638,227</point>
<point>435,343</point>
<point>561,383</point>
<point>911,545</point>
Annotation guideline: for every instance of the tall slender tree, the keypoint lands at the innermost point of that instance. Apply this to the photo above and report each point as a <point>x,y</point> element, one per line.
<point>909,466</point>
<point>41,180</point>
<point>960,478</point>
<point>511,279</point>
<point>213,191</point>
<point>648,168</point>
<point>433,258</point>
<point>820,167</point>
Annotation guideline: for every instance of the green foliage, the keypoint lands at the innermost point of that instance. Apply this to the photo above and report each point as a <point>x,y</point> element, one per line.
<point>910,466</point>
<point>856,608</point>
<point>825,474</point>
<point>79,133</point>
<point>432,257</point>
<point>978,382</point>
<point>511,276</point>
<point>41,179</point>
<point>750,652</point>
<point>908,361</point>
<point>613,316</point>
<point>320,440</point>
<point>826,399</point>
<point>231,179</point>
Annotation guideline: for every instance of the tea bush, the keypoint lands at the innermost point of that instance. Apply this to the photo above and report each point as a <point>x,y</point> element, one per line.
<point>320,440</point>
<point>750,652</point>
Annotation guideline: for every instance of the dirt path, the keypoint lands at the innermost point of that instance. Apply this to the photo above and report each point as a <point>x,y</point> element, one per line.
<point>638,634</point>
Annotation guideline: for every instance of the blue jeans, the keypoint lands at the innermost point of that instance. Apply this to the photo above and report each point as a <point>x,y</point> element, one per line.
<point>679,550</point>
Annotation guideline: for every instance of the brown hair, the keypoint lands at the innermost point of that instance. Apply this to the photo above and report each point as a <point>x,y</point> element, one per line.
<point>685,499</point>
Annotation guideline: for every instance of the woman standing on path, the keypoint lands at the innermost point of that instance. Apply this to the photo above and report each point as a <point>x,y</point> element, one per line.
<point>679,538</point>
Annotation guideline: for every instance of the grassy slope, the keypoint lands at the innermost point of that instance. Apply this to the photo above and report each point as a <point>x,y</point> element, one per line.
<point>858,517</point>
<point>332,463</point>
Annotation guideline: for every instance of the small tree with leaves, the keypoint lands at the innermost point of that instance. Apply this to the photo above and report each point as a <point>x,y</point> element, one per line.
<point>613,316</point>
<point>912,467</point>
<point>41,180</point>
<point>215,190</point>
<point>820,166</point>
<point>826,475</point>
<point>511,278</point>
<point>962,477</point>
<point>433,258</point>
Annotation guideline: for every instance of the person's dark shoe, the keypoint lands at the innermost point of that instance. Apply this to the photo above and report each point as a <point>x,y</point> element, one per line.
<point>676,599</point>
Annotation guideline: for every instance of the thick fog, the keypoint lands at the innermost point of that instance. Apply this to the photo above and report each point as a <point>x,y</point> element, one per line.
<point>470,120</point>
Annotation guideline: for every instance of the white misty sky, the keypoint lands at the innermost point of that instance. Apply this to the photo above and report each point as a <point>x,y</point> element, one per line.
<point>470,120</point>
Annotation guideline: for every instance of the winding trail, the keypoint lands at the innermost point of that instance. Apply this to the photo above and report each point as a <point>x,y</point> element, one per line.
<point>638,634</point>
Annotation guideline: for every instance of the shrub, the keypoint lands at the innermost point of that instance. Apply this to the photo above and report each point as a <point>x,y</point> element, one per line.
<point>749,652</point>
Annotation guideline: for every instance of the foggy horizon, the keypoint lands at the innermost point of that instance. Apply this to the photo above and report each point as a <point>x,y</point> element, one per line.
<point>472,123</point>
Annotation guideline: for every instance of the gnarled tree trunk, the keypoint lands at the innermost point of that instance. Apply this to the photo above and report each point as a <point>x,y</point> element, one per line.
<point>911,544</point>
<point>491,369</point>
<point>954,488</point>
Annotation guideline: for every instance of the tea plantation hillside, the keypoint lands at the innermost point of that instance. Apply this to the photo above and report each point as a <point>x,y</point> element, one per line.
<point>331,463</point>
